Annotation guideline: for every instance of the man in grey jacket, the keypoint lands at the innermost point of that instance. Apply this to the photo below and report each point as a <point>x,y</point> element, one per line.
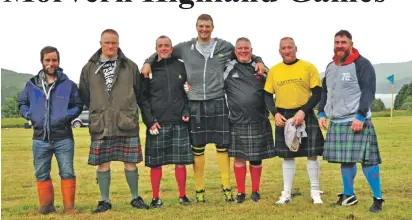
<point>348,90</point>
<point>205,58</point>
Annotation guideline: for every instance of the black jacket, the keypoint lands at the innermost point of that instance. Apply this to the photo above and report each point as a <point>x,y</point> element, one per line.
<point>167,97</point>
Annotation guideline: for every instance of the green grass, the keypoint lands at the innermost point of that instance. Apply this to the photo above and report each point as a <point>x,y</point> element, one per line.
<point>17,122</point>
<point>19,193</point>
<point>387,113</point>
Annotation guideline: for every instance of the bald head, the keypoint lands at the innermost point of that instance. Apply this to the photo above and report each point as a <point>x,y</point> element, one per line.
<point>288,49</point>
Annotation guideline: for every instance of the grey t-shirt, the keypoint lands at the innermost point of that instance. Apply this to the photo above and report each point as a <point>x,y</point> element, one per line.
<point>206,49</point>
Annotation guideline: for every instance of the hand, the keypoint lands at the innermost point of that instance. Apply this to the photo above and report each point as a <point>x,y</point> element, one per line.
<point>280,120</point>
<point>260,68</point>
<point>322,123</point>
<point>146,70</point>
<point>187,87</point>
<point>299,118</point>
<point>154,130</point>
<point>185,118</point>
<point>357,125</point>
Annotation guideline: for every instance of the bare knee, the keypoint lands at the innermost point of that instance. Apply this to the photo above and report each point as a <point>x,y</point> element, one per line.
<point>239,162</point>
<point>130,166</point>
<point>103,167</point>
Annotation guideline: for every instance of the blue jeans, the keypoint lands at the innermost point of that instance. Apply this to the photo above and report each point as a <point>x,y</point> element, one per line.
<point>42,155</point>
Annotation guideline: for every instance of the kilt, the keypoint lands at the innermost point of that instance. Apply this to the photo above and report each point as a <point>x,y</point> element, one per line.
<point>251,142</point>
<point>342,145</point>
<point>125,149</point>
<point>311,146</point>
<point>209,122</point>
<point>170,146</point>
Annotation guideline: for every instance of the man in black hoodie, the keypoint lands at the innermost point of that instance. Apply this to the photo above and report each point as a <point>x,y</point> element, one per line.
<point>167,136</point>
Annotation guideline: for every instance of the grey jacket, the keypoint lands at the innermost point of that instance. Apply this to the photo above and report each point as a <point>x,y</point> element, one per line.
<point>204,75</point>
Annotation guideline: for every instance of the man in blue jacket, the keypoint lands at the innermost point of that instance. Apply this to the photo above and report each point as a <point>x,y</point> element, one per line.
<point>348,90</point>
<point>50,100</point>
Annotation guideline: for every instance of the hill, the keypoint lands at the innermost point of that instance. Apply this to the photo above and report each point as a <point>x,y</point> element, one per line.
<point>11,83</point>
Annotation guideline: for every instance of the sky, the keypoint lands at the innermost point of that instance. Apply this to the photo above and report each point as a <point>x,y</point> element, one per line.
<point>380,30</point>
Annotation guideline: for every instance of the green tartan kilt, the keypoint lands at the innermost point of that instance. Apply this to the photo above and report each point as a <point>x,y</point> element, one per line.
<point>342,145</point>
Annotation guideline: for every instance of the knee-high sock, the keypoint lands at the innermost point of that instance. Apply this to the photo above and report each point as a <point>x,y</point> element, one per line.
<point>289,170</point>
<point>313,167</point>
<point>372,174</point>
<point>155,177</point>
<point>240,174</point>
<point>180,174</point>
<point>348,171</point>
<point>132,181</point>
<point>103,178</point>
<point>224,167</point>
<point>199,170</point>
<point>255,174</point>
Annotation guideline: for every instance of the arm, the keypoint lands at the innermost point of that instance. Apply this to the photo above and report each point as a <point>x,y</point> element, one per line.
<point>141,90</point>
<point>313,100</point>
<point>24,102</point>
<point>177,53</point>
<point>75,103</point>
<point>84,87</point>
<point>186,112</point>
<point>367,84</point>
<point>270,104</point>
<point>323,99</point>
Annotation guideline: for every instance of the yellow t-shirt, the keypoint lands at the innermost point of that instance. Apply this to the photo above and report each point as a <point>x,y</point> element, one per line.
<point>292,83</point>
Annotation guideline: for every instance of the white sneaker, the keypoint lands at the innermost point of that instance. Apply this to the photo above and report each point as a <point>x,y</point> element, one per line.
<point>285,198</point>
<point>316,196</point>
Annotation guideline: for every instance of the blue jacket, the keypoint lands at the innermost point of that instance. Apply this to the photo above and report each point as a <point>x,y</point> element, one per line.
<point>51,118</point>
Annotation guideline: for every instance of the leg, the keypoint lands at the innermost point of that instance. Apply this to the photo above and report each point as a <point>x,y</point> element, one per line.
<point>289,170</point>
<point>240,174</point>
<point>155,177</point>
<point>199,170</point>
<point>132,177</point>
<point>180,174</point>
<point>224,167</point>
<point>42,156</point>
<point>255,173</point>
<point>103,178</point>
<point>313,167</point>
<point>372,174</point>
<point>347,198</point>
<point>64,151</point>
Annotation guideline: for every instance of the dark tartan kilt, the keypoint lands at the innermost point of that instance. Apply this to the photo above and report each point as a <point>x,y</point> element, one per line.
<point>252,142</point>
<point>310,146</point>
<point>342,145</point>
<point>209,122</point>
<point>125,149</point>
<point>170,146</point>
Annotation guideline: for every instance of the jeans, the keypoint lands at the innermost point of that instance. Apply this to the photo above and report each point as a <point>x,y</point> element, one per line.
<point>42,155</point>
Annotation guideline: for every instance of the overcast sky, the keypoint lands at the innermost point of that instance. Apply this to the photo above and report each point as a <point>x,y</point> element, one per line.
<point>381,31</point>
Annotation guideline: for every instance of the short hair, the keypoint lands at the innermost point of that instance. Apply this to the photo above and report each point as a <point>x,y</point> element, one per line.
<point>109,31</point>
<point>205,17</point>
<point>49,49</point>
<point>244,39</point>
<point>164,37</point>
<point>344,33</point>
<point>288,38</point>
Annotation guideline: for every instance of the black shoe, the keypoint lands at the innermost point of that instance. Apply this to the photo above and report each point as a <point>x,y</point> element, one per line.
<point>255,196</point>
<point>240,198</point>
<point>102,206</point>
<point>156,203</point>
<point>184,200</point>
<point>376,205</point>
<point>139,203</point>
<point>345,200</point>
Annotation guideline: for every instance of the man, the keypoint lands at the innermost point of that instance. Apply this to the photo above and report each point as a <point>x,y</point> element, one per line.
<point>348,90</point>
<point>250,129</point>
<point>50,100</point>
<point>297,86</point>
<point>110,86</point>
<point>167,136</point>
<point>205,58</point>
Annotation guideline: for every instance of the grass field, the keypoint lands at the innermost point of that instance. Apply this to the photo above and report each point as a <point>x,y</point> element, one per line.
<point>19,194</point>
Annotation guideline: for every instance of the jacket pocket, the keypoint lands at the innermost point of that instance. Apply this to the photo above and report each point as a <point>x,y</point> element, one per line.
<point>127,120</point>
<point>96,124</point>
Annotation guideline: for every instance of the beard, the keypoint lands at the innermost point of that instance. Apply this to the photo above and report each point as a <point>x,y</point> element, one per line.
<point>46,70</point>
<point>345,55</point>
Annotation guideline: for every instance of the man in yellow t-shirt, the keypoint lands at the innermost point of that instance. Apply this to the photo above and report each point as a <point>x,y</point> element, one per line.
<point>297,88</point>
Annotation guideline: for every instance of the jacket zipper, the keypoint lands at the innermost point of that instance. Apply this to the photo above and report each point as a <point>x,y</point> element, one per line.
<point>204,80</point>
<point>168,82</point>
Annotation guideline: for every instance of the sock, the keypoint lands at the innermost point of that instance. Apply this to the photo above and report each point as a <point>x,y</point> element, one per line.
<point>348,171</point>
<point>313,167</point>
<point>372,174</point>
<point>240,174</point>
<point>289,170</point>
<point>155,177</point>
<point>224,167</point>
<point>103,178</point>
<point>199,170</point>
<point>255,174</point>
<point>180,174</point>
<point>132,181</point>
